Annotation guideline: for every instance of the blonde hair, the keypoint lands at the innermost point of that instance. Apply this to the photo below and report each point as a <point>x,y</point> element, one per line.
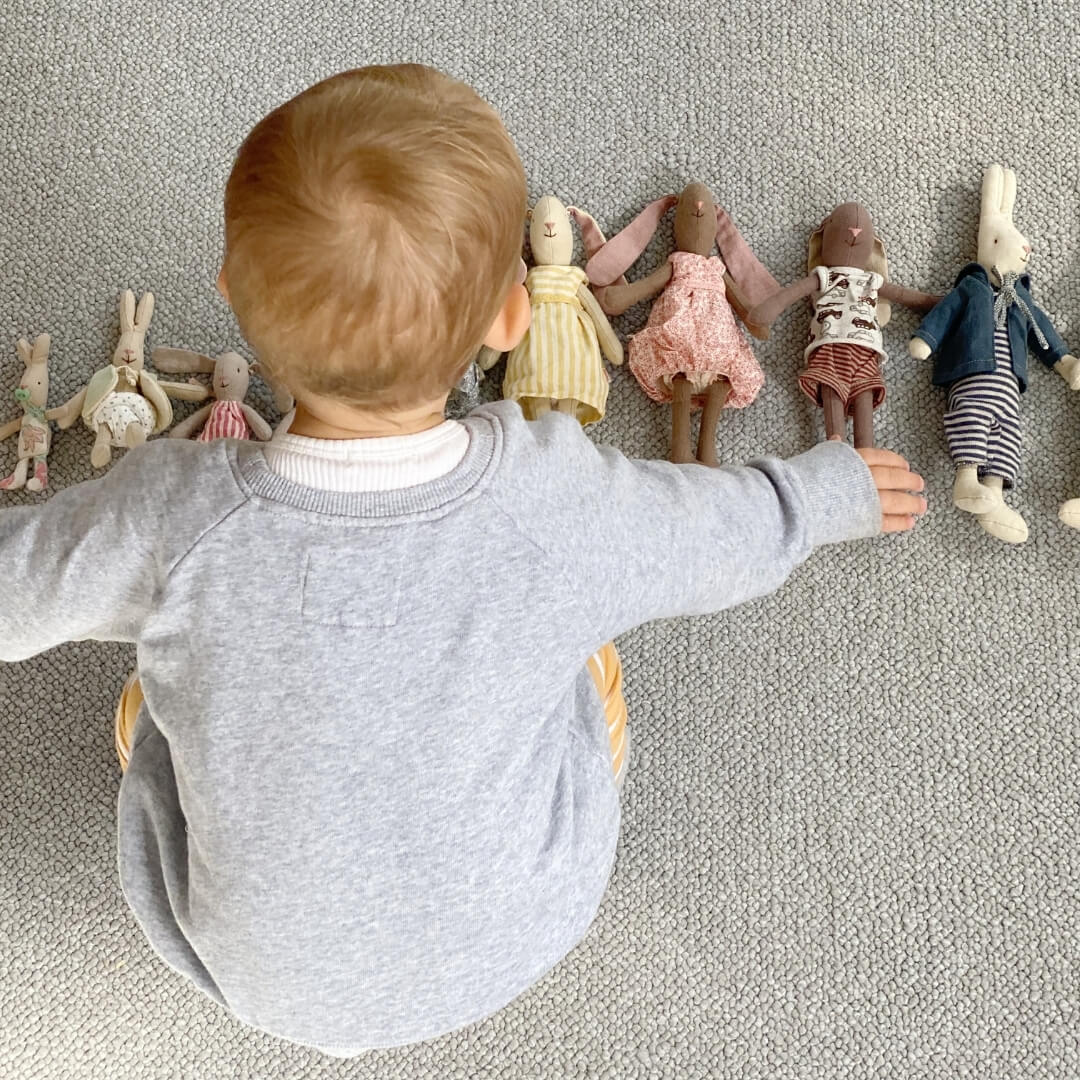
<point>373,228</point>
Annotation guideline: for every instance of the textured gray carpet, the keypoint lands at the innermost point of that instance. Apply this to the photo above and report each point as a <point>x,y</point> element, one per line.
<point>850,841</point>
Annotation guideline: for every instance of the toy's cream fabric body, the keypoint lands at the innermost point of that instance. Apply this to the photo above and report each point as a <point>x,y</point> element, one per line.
<point>123,404</point>
<point>1003,253</point>
<point>559,363</point>
<point>35,434</point>
<point>559,358</point>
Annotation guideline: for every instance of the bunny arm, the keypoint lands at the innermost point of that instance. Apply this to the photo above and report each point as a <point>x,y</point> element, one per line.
<point>487,357</point>
<point>610,344</point>
<point>192,424</point>
<point>259,426</point>
<point>763,315</point>
<point>1068,367</point>
<point>65,415</point>
<point>915,299</point>
<point>10,428</point>
<point>615,299</point>
<point>184,391</point>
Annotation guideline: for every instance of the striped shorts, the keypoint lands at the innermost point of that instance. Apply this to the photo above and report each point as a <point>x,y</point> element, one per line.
<point>847,368</point>
<point>605,668</point>
<point>982,424</point>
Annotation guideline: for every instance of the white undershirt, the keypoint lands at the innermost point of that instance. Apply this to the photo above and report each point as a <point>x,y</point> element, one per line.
<point>382,464</point>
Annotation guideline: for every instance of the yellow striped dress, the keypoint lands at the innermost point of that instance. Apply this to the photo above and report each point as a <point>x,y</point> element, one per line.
<point>560,356</point>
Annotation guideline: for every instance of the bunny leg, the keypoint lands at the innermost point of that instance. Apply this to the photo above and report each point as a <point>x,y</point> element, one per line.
<point>710,415</point>
<point>1070,513</point>
<point>566,405</point>
<point>540,407</point>
<point>101,452</point>
<point>863,420</point>
<point>1002,521</point>
<point>40,479</point>
<point>682,451</point>
<point>832,404</point>
<point>17,479</point>
<point>134,435</point>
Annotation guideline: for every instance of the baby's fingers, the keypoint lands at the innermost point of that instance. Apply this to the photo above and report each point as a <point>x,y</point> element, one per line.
<point>887,478</point>
<point>899,510</point>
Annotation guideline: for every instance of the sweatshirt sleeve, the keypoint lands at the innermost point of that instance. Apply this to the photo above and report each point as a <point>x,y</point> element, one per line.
<point>87,564</point>
<point>644,540</point>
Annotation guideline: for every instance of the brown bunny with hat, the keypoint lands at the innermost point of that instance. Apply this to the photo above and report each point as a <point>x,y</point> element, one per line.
<point>849,285</point>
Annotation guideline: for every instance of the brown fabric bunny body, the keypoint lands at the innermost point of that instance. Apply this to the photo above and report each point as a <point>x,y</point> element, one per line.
<point>692,352</point>
<point>848,282</point>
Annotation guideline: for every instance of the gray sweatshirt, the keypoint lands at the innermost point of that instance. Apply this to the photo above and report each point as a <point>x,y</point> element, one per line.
<point>370,797</point>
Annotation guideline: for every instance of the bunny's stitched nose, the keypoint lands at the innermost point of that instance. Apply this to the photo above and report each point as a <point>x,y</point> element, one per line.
<point>854,232</point>
<point>1027,249</point>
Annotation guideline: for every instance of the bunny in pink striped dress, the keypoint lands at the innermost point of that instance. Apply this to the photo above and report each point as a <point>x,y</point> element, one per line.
<point>226,417</point>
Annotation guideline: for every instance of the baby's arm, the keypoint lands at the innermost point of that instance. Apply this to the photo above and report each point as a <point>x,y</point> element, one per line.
<point>644,540</point>
<point>83,565</point>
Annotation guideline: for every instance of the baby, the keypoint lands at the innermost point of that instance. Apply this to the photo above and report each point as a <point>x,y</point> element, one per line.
<point>373,749</point>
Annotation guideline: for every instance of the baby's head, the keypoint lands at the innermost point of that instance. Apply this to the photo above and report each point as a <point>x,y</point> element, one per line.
<point>373,229</point>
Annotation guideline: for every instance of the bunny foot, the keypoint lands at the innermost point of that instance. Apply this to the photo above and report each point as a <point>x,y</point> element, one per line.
<point>16,480</point>
<point>100,455</point>
<point>1070,513</point>
<point>134,435</point>
<point>40,478</point>
<point>1005,524</point>
<point>970,495</point>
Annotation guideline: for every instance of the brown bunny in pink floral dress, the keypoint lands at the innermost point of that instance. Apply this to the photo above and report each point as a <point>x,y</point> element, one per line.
<point>692,352</point>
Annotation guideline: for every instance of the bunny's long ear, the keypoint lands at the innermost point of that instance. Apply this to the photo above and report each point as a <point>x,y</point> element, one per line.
<point>753,283</point>
<point>879,264</point>
<point>592,238</point>
<point>993,190</point>
<point>623,249</point>
<point>40,352</point>
<point>177,361</point>
<point>146,310</point>
<point>813,248</point>
<point>127,311</point>
<point>26,353</point>
<point>1008,192</point>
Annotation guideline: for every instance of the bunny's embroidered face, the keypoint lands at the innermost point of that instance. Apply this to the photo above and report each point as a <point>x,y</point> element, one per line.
<point>847,237</point>
<point>1003,248</point>
<point>231,377</point>
<point>550,235</point>
<point>35,379</point>
<point>695,220</point>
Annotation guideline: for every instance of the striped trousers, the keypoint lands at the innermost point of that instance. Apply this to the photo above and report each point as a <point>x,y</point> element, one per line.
<point>982,424</point>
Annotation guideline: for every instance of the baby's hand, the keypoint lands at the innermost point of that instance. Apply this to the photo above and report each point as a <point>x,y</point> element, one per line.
<point>895,483</point>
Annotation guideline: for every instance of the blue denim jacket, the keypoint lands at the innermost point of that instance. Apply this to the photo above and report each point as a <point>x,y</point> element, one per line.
<point>960,330</point>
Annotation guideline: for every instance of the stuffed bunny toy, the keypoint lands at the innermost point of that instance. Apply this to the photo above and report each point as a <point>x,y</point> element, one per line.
<point>35,435</point>
<point>227,416</point>
<point>979,336</point>
<point>123,404</point>
<point>691,353</point>
<point>558,364</point>
<point>849,286</point>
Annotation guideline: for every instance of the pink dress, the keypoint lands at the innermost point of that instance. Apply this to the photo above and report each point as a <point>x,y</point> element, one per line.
<point>226,421</point>
<point>692,331</point>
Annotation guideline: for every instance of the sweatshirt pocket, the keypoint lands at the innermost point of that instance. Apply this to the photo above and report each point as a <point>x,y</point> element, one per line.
<point>352,587</point>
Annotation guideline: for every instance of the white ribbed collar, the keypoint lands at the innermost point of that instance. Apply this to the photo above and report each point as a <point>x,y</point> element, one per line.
<point>356,465</point>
